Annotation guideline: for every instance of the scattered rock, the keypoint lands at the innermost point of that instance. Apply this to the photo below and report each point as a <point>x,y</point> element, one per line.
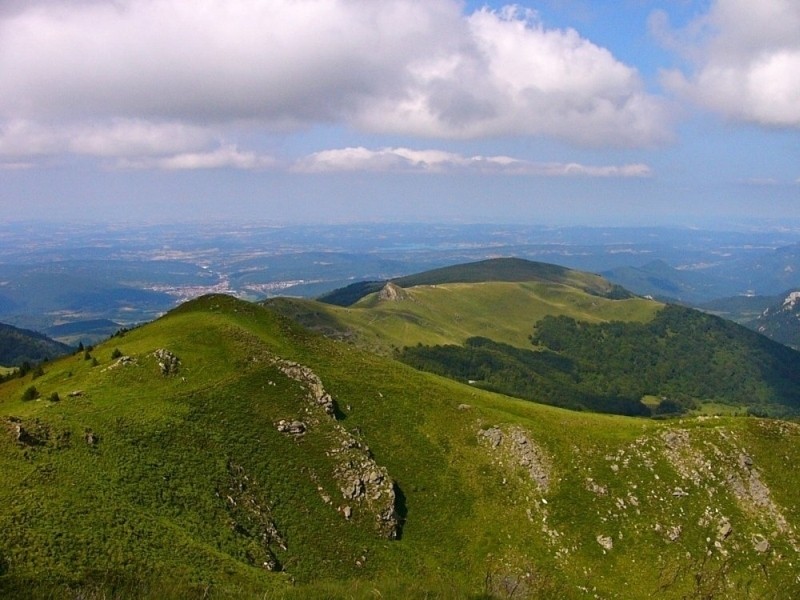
<point>347,512</point>
<point>679,492</point>
<point>75,394</point>
<point>605,541</point>
<point>760,543</point>
<point>296,428</point>
<point>494,435</point>
<point>596,488</point>
<point>464,407</point>
<point>531,457</point>
<point>90,437</point>
<point>724,529</point>
<point>745,461</point>
<point>674,532</point>
<point>125,361</point>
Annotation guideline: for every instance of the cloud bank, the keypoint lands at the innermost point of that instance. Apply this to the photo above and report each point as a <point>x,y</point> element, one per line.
<point>406,160</point>
<point>149,79</point>
<point>745,59</point>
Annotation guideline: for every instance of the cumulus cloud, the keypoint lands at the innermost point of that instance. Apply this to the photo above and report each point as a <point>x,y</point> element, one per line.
<point>131,77</point>
<point>406,160</point>
<point>745,59</point>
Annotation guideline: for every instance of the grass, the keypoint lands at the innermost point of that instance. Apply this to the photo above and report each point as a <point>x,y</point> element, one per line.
<point>451,313</point>
<point>144,511</point>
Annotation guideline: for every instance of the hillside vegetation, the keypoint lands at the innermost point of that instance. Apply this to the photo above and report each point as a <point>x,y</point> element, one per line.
<point>491,299</point>
<point>18,346</point>
<point>559,340</point>
<point>224,452</point>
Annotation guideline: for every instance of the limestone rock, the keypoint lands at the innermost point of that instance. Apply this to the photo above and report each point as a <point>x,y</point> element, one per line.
<point>605,541</point>
<point>167,361</point>
<point>392,293</point>
<point>295,428</point>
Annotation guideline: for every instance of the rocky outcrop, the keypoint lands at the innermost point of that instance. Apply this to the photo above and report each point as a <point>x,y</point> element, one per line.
<point>312,383</point>
<point>295,428</point>
<point>523,453</point>
<point>365,486</point>
<point>392,293</point>
<point>168,362</point>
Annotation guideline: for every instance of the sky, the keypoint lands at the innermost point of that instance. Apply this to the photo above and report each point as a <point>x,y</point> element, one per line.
<point>625,112</point>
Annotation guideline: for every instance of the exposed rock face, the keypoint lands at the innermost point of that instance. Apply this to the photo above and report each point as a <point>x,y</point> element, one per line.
<point>366,485</point>
<point>309,379</point>
<point>392,293</point>
<point>167,361</point>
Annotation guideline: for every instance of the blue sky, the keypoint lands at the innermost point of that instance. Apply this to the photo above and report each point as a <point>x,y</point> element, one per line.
<point>553,112</point>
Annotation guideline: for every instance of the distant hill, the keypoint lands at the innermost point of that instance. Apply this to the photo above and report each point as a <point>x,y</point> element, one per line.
<point>495,269</point>
<point>22,345</point>
<point>589,352</point>
<point>500,299</point>
<point>225,452</point>
<point>661,281</point>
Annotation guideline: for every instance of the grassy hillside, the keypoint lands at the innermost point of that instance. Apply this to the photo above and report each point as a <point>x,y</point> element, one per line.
<point>495,269</point>
<point>453,312</point>
<point>177,470</point>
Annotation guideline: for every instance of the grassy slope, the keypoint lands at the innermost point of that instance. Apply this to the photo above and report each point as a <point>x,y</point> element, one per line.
<point>451,313</point>
<point>508,269</point>
<point>144,510</point>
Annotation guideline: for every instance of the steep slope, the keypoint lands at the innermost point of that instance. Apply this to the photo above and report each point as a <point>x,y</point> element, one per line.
<point>226,442</point>
<point>22,345</point>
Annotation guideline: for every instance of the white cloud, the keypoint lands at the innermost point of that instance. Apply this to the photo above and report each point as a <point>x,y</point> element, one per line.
<point>142,78</point>
<point>405,160</point>
<point>224,157</point>
<point>746,60</point>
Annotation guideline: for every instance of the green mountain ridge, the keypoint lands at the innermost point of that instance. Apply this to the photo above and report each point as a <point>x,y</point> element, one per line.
<point>508,269</point>
<point>618,354</point>
<point>224,452</point>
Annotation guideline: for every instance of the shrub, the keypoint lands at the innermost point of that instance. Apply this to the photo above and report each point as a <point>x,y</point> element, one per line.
<point>54,397</point>
<point>116,354</point>
<point>30,393</point>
